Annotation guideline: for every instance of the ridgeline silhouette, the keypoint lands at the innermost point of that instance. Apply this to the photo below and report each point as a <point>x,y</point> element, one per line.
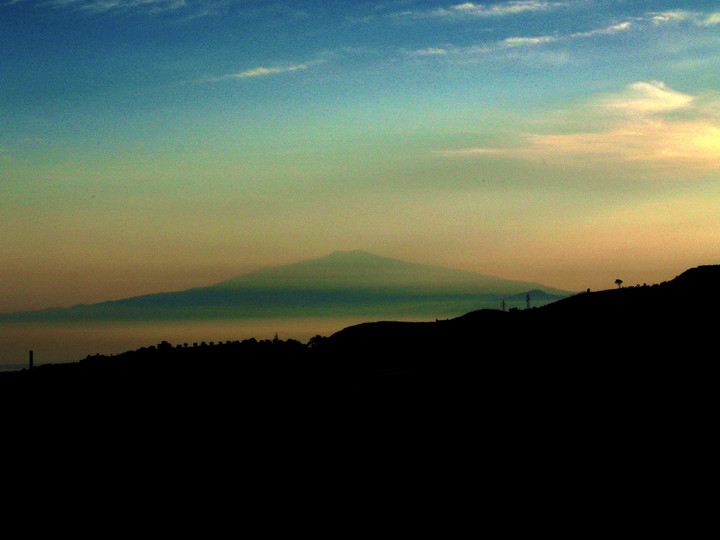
<point>602,403</point>
<point>613,346</point>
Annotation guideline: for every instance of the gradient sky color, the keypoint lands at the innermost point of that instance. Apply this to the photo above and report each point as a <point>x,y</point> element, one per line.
<point>150,145</point>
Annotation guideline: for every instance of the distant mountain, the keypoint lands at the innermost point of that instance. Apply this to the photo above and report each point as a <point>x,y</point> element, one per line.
<point>344,283</point>
<point>362,270</point>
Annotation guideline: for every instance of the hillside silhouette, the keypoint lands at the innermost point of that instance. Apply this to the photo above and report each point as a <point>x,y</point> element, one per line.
<point>605,401</point>
<point>631,342</point>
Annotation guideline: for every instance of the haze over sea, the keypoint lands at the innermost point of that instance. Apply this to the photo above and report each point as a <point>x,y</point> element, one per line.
<point>295,301</point>
<point>53,342</point>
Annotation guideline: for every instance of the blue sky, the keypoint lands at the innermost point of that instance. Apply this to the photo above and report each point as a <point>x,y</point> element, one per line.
<point>151,145</point>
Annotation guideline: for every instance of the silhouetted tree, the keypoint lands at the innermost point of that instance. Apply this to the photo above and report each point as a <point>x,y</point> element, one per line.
<point>317,341</point>
<point>619,282</point>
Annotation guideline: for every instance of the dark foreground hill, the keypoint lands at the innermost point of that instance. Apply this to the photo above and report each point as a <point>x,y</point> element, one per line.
<point>594,413</point>
<point>630,343</point>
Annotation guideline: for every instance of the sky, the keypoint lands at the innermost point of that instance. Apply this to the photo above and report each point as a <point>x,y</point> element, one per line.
<point>152,145</point>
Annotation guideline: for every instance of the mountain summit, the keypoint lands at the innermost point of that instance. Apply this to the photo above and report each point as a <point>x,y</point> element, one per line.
<point>362,270</point>
<point>343,283</point>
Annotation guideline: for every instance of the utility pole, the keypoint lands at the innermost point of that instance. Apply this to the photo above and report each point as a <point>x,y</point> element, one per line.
<point>31,359</point>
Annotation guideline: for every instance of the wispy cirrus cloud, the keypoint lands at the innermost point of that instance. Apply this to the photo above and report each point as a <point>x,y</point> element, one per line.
<point>631,24</point>
<point>470,9</point>
<point>527,41</point>
<point>184,10</point>
<point>260,71</point>
<point>263,71</point>
<point>605,31</point>
<point>506,8</point>
<point>677,16</point>
<point>432,51</point>
<point>517,7</point>
<point>515,42</point>
<point>453,52</point>
<point>711,20</point>
<point>113,5</point>
<point>188,9</point>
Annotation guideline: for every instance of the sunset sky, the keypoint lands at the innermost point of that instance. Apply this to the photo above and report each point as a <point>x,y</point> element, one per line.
<point>151,145</point>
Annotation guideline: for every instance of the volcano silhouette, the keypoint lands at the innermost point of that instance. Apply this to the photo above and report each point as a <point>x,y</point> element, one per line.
<point>343,283</point>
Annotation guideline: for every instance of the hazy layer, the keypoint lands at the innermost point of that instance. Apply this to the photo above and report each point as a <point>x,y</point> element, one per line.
<point>63,342</point>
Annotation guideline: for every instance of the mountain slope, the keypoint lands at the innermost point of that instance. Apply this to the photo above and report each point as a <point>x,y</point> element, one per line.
<point>620,382</point>
<point>339,284</point>
<point>362,270</point>
<point>645,325</point>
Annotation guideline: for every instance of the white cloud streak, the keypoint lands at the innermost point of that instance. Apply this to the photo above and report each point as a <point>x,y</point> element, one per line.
<point>470,9</point>
<point>508,8</point>
<point>432,51</point>
<point>527,41</point>
<point>263,71</point>
<point>117,5</point>
<point>710,20</point>
<point>259,71</point>
<point>649,19</point>
<point>679,16</point>
<point>608,30</point>
<point>523,42</point>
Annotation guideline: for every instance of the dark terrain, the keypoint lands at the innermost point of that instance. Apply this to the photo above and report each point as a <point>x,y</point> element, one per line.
<point>578,417</point>
<point>598,349</point>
